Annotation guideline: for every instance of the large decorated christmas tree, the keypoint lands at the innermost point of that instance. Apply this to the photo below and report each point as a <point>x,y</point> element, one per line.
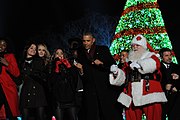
<point>141,17</point>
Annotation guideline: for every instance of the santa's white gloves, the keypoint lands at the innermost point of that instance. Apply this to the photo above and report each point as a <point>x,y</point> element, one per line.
<point>134,65</point>
<point>114,69</point>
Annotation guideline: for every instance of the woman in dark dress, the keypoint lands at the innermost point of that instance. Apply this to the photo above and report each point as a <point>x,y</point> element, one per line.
<point>63,85</point>
<point>32,96</point>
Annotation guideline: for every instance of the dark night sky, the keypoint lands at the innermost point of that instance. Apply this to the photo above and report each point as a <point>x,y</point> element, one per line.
<point>20,19</point>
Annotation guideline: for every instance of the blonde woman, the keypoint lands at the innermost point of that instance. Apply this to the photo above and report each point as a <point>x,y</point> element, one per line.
<point>44,54</point>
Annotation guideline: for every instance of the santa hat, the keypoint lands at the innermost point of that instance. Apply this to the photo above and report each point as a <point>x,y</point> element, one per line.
<point>141,40</point>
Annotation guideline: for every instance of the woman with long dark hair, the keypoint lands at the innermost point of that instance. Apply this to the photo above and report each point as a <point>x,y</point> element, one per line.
<point>63,87</point>
<point>32,96</point>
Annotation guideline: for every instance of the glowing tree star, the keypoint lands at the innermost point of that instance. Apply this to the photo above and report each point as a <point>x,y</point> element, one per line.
<point>141,17</point>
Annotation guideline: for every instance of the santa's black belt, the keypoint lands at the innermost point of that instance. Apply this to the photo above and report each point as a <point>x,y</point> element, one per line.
<point>137,78</point>
<point>147,76</point>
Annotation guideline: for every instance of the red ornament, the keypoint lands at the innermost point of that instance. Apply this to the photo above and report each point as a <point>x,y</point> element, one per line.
<point>138,38</point>
<point>172,52</point>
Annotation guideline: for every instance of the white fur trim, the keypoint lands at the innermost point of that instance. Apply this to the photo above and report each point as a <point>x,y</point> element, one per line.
<point>148,65</point>
<point>119,80</point>
<point>150,98</point>
<point>124,99</point>
<point>139,99</point>
<point>137,92</point>
<point>154,97</point>
<point>147,54</point>
<point>158,55</point>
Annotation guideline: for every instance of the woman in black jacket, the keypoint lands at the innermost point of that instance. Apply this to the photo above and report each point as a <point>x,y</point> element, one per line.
<point>32,96</point>
<point>63,87</point>
<point>45,55</point>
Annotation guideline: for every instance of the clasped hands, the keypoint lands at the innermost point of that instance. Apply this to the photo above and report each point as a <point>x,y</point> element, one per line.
<point>97,62</point>
<point>175,76</point>
<point>134,65</point>
<point>4,61</point>
<point>170,87</point>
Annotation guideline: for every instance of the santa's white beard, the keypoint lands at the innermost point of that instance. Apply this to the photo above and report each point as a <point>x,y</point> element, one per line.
<point>136,55</point>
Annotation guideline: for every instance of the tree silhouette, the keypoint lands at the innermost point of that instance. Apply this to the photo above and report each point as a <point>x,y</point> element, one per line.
<point>102,26</point>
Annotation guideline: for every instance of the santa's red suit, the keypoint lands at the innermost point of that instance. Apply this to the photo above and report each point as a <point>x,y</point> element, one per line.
<point>145,95</point>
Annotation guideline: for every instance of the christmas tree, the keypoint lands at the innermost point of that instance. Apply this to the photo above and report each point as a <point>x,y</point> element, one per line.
<point>141,17</point>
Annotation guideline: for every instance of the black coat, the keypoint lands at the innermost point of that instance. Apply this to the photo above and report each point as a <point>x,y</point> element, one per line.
<point>63,85</point>
<point>166,75</point>
<point>99,96</point>
<point>32,92</point>
<point>171,107</point>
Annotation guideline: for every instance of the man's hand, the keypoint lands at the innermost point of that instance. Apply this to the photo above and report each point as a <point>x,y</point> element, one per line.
<point>168,86</point>
<point>97,62</point>
<point>174,89</point>
<point>175,76</point>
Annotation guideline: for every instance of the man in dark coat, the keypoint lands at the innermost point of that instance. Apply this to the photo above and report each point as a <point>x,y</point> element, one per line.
<point>100,98</point>
<point>170,84</point>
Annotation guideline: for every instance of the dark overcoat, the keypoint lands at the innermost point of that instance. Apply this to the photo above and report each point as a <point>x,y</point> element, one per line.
<point>32,92</point>
<point>170,108</point>
<point>99,96</point>
<point>63,85</point>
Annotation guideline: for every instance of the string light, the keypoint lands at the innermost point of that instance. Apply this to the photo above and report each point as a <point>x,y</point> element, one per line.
<point>141,17</point>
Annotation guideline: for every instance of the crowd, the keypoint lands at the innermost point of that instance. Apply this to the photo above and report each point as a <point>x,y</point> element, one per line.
<point>88,84</point>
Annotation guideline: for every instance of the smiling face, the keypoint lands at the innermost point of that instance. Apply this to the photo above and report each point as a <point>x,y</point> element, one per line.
<point>136,47</point>
<point>31,50</point>
<point>136,53</point>
<point>123,56</point>
<point>41,51</point>
<point>3,45</point>
<point>167,57</point>
<point>88,41</point>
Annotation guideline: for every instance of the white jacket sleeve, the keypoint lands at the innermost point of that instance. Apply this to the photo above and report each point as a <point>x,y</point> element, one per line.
<point>148,65</point>
<point>119,80</point>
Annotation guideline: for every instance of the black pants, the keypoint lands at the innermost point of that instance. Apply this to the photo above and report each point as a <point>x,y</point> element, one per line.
<point>171,107</point>
<point>66,112</point>
<point>37,113</point>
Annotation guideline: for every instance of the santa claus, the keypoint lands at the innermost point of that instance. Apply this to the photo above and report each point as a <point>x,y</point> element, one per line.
<point>141,76</point>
